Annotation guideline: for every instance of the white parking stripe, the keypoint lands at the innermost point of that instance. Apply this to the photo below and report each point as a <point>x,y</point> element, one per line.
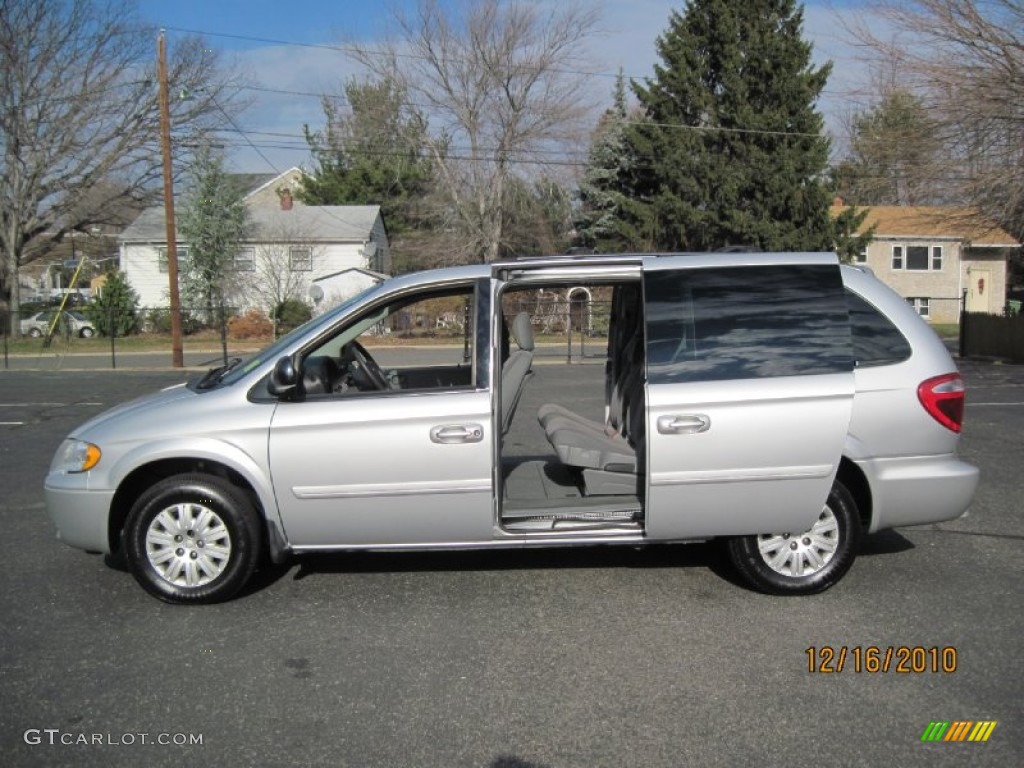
<point>31,405</point>
<point>12,423</point>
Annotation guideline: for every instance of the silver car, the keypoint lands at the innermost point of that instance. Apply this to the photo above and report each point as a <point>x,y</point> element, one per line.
<point>779,401</point>
<point>69,321</point>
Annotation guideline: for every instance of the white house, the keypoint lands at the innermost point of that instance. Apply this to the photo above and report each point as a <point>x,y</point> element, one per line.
<point>289,248</point>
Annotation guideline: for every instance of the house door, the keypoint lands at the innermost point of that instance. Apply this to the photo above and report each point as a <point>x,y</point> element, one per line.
<point>979,290</point>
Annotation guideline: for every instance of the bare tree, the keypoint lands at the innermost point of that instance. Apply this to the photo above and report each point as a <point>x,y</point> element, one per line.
<point>965,60</point>
<point>79,119</point>
<point>283,263</point>
<point>498,86</point>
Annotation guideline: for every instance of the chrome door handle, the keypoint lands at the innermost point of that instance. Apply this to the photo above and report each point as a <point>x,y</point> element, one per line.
<point>447,434</point>
<point>684,424</point>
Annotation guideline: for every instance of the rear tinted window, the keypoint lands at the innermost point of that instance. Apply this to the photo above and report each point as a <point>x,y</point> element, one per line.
<point>746,322</point>
<point>876,341</point>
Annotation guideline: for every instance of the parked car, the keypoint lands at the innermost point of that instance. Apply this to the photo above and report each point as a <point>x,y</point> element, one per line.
<point>778,401</point>
<point>39,324</point>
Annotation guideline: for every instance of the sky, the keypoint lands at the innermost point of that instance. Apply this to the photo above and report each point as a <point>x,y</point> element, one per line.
<point>285,46</point>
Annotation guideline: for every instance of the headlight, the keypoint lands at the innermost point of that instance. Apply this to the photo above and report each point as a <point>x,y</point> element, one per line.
<point>75,456</point>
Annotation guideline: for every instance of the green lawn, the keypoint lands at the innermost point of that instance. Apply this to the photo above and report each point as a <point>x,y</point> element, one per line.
<point>946,330</point>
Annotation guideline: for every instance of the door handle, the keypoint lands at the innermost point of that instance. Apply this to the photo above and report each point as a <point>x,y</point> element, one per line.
<point>447,434</point>
<point>684,424</point>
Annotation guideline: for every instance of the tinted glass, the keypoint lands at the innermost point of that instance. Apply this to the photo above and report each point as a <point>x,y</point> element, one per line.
<point>746,322</point>
<point>876,341</point>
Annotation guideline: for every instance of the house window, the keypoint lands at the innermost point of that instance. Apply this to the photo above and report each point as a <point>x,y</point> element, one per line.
<point>245,260</point>
<point>161,258</point>
<point>920,305</point>
<point>300,259</point>
<point>917,258</point>
<point>862,255</point>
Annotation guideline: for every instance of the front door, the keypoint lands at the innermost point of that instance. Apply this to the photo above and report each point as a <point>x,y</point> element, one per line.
<point>397,452</point>
<point>979,292</point>
<point>749,393</point>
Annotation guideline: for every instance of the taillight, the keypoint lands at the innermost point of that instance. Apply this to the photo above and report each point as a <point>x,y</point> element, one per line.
<point>943,398</point>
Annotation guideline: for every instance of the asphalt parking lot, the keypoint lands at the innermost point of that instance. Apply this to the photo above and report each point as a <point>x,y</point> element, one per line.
<point>600,657</point>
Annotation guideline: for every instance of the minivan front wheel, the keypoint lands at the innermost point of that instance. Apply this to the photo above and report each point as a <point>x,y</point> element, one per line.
<point>192,539</point>
<point>803,563</point>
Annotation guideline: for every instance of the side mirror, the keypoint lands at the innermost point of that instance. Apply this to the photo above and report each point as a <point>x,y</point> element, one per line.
<point>284,379</point>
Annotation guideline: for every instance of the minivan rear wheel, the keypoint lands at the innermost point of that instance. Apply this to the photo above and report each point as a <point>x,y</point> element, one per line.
<point>804,563</point>
<point>192,539</point>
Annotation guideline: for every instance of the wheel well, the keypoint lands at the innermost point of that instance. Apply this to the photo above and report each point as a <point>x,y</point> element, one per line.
<point>147,475</point>
<point>856,483</point>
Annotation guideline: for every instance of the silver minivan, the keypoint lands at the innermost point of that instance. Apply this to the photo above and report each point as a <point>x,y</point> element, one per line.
<point>782,402</point>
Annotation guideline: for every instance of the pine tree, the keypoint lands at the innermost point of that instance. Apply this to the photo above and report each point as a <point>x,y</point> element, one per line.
<point>114,310</point>
<point>732,151</point>
<point>601,221</point>
<point>371,156</point>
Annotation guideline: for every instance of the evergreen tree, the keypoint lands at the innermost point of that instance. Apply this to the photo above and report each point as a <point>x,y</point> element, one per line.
<point>371,156</point>
<point>115,309</point>
<point>212,224</point>
<point>602,220</point>
<point>895,155</point>
<point>732,151</point>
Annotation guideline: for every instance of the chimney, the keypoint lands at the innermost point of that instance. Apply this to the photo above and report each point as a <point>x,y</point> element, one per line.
<point>286,199</point>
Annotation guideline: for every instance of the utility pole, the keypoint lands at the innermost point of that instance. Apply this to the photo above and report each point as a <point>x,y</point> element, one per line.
<point>177,355</point>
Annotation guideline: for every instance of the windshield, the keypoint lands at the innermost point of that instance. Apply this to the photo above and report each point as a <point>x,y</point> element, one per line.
<point>273,351</point>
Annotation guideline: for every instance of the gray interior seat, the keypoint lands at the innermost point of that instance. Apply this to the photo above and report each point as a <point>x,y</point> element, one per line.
<point>516,369</point>
<point>590,449</point>
<point>623,347</point>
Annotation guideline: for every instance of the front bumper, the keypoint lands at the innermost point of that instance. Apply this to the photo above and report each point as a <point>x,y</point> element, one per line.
<point>919,490</point>
<point>81,515</point>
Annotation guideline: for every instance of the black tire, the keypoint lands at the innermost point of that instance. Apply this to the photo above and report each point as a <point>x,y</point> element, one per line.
<point>843,538</point>
<point>86,333</point>
<point>165,554</point>
<point>35,333</point>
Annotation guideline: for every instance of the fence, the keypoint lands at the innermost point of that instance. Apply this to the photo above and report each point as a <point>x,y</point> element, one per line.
<point>573,328</point>
<point>992,335</point>
<point>82,330</point>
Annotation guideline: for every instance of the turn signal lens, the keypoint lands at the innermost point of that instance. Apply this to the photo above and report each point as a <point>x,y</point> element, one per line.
<point>76,456</point>
<point>943,398</point>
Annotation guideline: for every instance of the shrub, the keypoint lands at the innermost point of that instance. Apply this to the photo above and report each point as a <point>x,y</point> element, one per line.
<point>159,321</point>
<point>291,313</point>
<point>252,325</point>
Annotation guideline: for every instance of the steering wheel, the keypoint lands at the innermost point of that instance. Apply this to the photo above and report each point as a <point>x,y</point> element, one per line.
<point>373,373</point>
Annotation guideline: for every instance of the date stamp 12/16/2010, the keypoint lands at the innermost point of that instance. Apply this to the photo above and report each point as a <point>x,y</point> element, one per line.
<point>872,659</point>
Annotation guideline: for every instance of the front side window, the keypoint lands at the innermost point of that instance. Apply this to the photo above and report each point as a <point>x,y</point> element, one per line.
<point>746,322</point>
<point>419,342</point>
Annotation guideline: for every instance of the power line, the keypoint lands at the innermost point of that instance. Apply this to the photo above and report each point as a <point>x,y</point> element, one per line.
<point>349,49</point>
